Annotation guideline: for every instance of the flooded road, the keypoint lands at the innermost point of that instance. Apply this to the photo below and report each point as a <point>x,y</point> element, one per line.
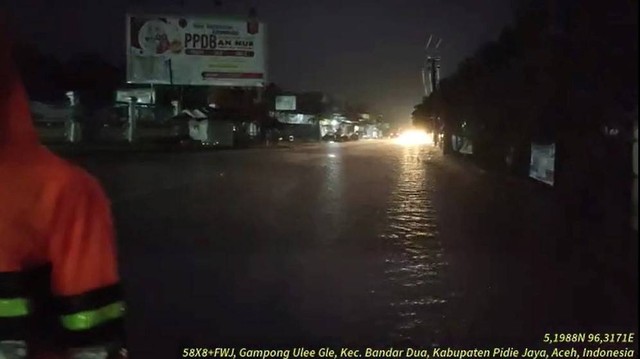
<point>354,244</point>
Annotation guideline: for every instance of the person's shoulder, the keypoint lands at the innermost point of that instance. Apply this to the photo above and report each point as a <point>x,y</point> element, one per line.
<point>68,176</point>
<point>79,178</point>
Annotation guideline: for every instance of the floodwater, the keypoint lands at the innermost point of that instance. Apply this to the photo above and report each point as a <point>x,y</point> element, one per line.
<point>352,244</point>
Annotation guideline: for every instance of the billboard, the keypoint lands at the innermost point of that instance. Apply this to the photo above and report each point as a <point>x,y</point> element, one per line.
<point>462,144</point>
<point>634,189</point>
<point>294,118</point>
<point>542,165</point>
<point>213,51</point>
<point>145,96</point>
<point>285,103</point>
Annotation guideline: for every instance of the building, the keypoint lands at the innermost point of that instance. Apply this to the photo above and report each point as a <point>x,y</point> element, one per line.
<point>301,115</point>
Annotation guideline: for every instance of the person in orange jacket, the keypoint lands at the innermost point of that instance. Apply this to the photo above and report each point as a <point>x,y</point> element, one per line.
<point>59,285</point>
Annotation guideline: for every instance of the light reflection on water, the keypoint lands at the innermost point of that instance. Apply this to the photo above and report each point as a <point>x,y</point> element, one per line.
<point>414,265</point>
<point>331,200</point>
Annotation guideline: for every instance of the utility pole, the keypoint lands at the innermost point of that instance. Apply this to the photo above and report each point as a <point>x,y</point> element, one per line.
<point>431,77</point>
<point>431,69</point>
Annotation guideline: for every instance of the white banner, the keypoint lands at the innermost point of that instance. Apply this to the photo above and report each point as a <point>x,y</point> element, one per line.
<point>195,51</point>
<point>462,145</point>
<point>285,103</point>
<point>542,165</point>
<point>294,118</point>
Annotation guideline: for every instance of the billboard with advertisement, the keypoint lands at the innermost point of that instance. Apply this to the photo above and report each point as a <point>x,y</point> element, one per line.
<point>294,118</point>
<point>184,50</point>
<point>462,144</point>
<point>285,103</point>
<point>634,189</point>
<point>542,165</point>
<point>143,95</point>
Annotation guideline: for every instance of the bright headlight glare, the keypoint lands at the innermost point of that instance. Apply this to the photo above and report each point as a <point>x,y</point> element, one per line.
<point>415,137</point>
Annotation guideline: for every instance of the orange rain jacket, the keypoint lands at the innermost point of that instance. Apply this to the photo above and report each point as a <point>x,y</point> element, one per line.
<point>58,277</point>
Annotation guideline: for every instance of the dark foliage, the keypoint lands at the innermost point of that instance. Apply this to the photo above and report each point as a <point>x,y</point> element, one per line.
<point>562,73</point>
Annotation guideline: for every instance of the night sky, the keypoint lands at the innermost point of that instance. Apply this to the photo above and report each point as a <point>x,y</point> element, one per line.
<point>363,50</point>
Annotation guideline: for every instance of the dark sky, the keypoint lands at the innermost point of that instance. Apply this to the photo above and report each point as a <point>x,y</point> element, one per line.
<point>364,50</point>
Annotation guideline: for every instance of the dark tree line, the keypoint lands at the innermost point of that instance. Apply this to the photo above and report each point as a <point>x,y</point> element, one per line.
<point>48,79</point>
<point>565,72</point>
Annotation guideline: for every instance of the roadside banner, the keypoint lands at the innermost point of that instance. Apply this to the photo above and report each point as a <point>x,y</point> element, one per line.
<point>542,165</point>
<point>285,103</point>
<point>462,144</point>
<point>213,51</point>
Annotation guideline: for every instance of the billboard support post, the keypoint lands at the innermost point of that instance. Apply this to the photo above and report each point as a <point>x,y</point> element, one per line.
<point>71,125</point>
<point>175,104</point>
<point>170,72</point>
<point>260,94</point>
<point>131,128</point>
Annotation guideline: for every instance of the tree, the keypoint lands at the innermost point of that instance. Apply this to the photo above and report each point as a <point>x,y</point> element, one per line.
<point>94,79</point>
<point>95,82</point>
<point>554,76</point>
<point>42,74</point>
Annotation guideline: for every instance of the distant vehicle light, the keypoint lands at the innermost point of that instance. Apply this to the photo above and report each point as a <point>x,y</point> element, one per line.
<point>414,137</point>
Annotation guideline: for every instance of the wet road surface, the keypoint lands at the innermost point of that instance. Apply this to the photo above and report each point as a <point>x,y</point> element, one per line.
<point>353,244</point>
